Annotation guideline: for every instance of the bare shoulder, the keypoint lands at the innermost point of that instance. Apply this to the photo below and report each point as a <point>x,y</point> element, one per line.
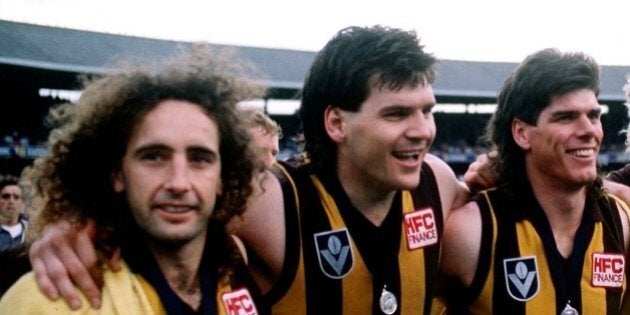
<point>624,213</point>
<point>461,242</point>
<point>262,226</point>
<point>621,191</point>
<point>453,193</point>
<point>265,206</point>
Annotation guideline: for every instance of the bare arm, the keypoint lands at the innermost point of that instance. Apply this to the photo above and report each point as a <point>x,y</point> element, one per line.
<point>622,192</point>
<point>64,256</point>
<point>461,243</point>
<point>262,228</point>
<point>453,193</point>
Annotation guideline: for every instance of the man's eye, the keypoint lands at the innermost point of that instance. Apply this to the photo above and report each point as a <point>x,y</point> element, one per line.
<point>396,114</point>
<point>201,158</point>
<point>564,117</point>
<point>151,156</point>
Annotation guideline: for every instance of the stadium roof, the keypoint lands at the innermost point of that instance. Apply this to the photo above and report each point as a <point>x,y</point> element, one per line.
<point>76,51</point>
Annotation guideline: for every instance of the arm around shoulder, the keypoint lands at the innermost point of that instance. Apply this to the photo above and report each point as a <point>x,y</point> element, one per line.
<point>461,243</point>
<point>453,193</point>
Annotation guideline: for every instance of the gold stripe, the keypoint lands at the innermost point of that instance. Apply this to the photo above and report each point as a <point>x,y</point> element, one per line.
<point>626,210</point>
<point>412,285</point>
<point>529,245</point>
<point>222,289</point>
<point>293,302</point>
<point>152,296</point>
<point>483,305</point>
<point>356,298</point>
<point>593,298</point>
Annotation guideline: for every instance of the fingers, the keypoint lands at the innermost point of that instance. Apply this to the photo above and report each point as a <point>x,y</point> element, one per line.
<point>480,173</point>
<point>50,271</point>
<point>82,264</point>
<point>39,269</point>
<point>60,259</point>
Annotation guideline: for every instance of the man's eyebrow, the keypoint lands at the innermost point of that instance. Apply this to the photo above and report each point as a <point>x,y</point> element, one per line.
<point>201,149</point>
<point>151,147</point>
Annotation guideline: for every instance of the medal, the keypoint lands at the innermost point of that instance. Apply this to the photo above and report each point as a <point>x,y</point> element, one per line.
<point>568,310</point>
<point>388,302</point>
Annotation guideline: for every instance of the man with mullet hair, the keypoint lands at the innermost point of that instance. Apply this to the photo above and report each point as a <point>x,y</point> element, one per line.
<point>547,239</point>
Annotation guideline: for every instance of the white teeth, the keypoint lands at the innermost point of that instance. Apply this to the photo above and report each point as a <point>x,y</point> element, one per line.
<point>175,209</point>
<point>583,152</point>
<point>407,155</point>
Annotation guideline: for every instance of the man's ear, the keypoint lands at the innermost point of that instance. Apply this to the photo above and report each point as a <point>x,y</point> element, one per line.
<point>520,133</point>
<point>333,122</point>
<point>118,181</point>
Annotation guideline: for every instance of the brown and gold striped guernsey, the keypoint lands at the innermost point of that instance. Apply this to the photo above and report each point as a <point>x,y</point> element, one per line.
<point>520,270</point>
<point>321,222</point>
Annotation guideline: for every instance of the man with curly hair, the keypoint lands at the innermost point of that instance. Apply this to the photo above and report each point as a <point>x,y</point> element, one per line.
<point>158,161</point>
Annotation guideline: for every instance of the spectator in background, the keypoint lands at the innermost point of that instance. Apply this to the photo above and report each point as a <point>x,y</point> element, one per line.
<point>158,161</point>
<point>265,132</point>
<point>13,227</point>
<point>13,223</point>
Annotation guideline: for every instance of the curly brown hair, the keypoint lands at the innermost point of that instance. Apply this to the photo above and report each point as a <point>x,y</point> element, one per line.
<point>73,182</point>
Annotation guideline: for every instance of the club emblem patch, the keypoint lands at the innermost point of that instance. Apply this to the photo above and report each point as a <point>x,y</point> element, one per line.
<point>521,277</point>
<point>420,229</point>
<point>334,253</point>
<point>239,302</point>
<point>608,270</point>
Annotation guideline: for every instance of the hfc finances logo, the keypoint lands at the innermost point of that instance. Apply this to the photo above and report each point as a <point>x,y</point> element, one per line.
<point>239,302</point>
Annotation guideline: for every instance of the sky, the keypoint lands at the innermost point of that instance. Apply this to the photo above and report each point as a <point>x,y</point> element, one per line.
<point>479,30</point>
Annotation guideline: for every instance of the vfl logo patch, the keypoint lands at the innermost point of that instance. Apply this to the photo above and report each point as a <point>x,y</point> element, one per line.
<point>334,253</point>
<point>608,270</point>
<point>420,229</point>
<point>239,302</point>
<point>521,277</point>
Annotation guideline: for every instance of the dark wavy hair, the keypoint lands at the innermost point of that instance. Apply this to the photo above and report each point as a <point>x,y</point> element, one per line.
<point>355,60</point>
<point>73,182</point>
<point>525,93</point>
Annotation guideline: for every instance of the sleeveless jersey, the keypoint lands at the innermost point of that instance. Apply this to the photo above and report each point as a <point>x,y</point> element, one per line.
<point>234,293</point>
<point>337,262</point>
<point>520,270</point>
<point>232,297</point>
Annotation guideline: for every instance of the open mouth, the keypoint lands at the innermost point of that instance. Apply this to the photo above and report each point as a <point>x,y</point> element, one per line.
<point>582,152</point>
<point>407,155</point>
<point>175,208</point>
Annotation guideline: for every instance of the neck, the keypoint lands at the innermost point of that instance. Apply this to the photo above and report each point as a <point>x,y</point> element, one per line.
<point>9,220</point>
<point>564,209</point>
<point>180,266</point>
<point>369,199</point>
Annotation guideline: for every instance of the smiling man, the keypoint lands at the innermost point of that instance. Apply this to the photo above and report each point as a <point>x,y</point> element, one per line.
<point>547,239</point>
<point>158,161</point>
